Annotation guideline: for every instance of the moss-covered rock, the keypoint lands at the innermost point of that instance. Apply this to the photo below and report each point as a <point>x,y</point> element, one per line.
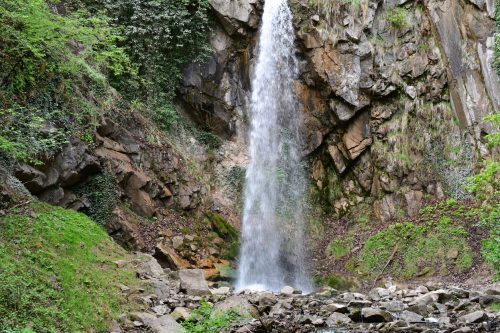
<point>226,232</point>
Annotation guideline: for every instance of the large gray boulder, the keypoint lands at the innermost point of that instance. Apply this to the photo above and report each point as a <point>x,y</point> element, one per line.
<point>163,324</point>
<point>373,315</point>
<point>193,282</point>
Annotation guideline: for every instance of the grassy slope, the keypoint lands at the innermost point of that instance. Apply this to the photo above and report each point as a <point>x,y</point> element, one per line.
<point>57,272</point>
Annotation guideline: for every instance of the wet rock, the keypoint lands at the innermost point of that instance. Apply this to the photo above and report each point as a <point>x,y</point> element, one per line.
<point>193,282</point>
<point>287,290</point>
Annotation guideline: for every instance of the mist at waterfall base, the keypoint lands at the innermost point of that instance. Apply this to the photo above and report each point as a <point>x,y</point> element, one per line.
<point>272,250</point>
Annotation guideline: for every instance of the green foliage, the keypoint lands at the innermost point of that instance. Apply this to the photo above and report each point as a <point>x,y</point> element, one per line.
<point>236,177</point>
<point>204,320</point>
<point>397,17</point>
<point>486,186</point>
<point>57,273</point>
<point>52,75</point>
<point>166,117</point>
<point>209,139</point>
<point>102,193</point>
<point>25,133</point>
<point>162,36</point>
<point>335,281</point>
<point>435,246</point>
<point>338,248</point>
<point>226,232</point>
<point>37,43</point>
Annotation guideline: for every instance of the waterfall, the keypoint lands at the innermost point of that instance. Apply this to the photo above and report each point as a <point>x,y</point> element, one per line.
<point>272,251</point>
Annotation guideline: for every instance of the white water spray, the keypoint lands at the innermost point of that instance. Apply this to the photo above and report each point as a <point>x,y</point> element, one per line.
<point>272,252</point>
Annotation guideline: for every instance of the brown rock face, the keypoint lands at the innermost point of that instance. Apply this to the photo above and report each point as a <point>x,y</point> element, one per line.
<point>358,136</point>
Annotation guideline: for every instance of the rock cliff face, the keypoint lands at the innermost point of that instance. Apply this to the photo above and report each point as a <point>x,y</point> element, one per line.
<point>392,96</point>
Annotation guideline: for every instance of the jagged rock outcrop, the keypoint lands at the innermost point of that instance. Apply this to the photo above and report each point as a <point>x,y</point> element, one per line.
<point>379,84</point>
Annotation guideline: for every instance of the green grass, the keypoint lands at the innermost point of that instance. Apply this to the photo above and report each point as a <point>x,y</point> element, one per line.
<point>437,245</point>
<point>57,273</point>
<point>494,307</point>
<point>338,248</point>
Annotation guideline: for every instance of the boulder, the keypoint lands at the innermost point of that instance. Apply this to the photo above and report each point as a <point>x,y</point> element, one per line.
<point>169,257</point>
<point>150,269</point>
<point>410,317</point>
<point>374,315</point>
<point>236,303</point>
<point>220,291</point>
<point>181,313</point>
<point>474,317</point>
<point>163,324</point>
<point>287,290</point>
<point>337,318</point>
<point>193,282</point>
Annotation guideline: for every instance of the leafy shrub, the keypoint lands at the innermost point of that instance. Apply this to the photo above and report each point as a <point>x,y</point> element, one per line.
<point>208,139</point>
<point>397,17</point>
<point>203,319</point>
<point>26,133</point>
<point>37,43</point>
<point>166,117</point>
<point>486,186</point>
<point>162,36</point>
<point>101,191</point>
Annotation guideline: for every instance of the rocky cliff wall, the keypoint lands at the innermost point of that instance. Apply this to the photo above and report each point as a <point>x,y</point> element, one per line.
<point>392,95</point>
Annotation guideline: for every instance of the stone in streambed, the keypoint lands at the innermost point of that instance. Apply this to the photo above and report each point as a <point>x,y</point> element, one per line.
<point>193,282</point>
<point>373,315</point>
<point>287,290</point>
<point>163,324</point>
<point>474,317</point>
<point>337,318</point>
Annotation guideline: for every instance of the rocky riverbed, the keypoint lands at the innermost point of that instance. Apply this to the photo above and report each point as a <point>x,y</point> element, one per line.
<point>169,297</point>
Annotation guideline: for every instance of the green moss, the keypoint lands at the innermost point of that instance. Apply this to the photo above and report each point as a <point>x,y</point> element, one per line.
<point>429,248</point>
<point>336,281</point>
<point>57,272</point>
<point>338,248</point>
<point>226,232</point>
<point>494,307</point>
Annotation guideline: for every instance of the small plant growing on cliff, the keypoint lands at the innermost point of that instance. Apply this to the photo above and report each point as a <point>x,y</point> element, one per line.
<point>486,186</point>
<point>398,17</point>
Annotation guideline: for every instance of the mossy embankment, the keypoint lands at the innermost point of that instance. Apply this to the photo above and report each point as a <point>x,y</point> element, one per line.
<point>57,272</point>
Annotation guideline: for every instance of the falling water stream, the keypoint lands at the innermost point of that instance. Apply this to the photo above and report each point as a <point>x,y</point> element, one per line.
<point>272,252</point>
